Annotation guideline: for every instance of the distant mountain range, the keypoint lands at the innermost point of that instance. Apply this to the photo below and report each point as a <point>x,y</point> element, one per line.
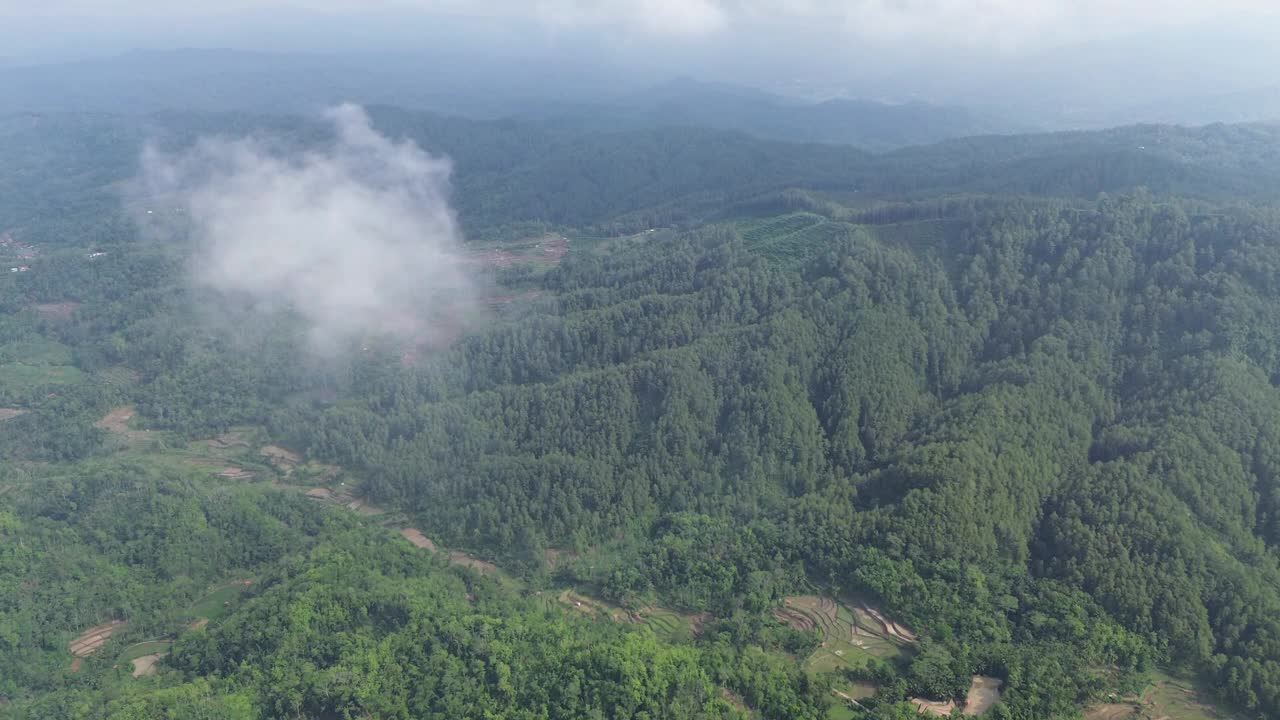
<point>220,80</point>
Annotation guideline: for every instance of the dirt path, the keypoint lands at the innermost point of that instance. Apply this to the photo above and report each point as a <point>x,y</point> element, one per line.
<point>850,699</point>
<point>93,638</point>
<point>146,665</point>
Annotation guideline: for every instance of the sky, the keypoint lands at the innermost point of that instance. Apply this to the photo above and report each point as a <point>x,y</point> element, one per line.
<point>1056,54</point>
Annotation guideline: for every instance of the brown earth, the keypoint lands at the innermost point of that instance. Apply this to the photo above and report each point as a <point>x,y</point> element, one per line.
<point>933,707</point>
<point>199,624</point>
<point>235,473</point>
<point>76,664</point>
<point>10,413</point>
<point>319,494</point>
<point>457,557</point>
<point>117,422</point>
<point>1111,711</point>
<point>56,311</point>
<point>793,618</point>
<point>281,459</point>
<point>416,537</point>
<point>890,627</point>
<point>984,692</point>
<point>146,665</point>
<point>93,638</point>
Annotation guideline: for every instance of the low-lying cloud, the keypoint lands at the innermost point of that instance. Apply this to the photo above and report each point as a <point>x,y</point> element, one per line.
<point>356,238</point>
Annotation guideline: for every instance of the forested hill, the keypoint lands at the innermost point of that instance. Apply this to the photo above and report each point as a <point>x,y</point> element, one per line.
<point>513,171</point>
<point>720,447</point>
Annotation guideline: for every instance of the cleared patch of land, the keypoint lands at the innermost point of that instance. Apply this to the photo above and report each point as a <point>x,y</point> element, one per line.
<point>10,413</point>
<point>219,601</point>
<point>850,635</point>
<point>283,460</point>
<point>95,637</point>
<point>56,311</point>
<point>146,665</point>
<point>1112,711</point>
<point>984,692</point>
<point>1164,698</point>
<point>117,423</point>
<point>416,537</point>
<point>934,708</point>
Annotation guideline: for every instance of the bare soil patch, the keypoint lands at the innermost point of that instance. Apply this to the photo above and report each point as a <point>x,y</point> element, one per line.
<point>10,413</point>
<point>933,707</point>
<point>457,557</point>
<point>117,422</point>
<point>200,624</point>
<point>146,665</point>
<point>76,664</point>
<point>416,537</point>
<point>94,638</point>
<point>984,692</point>
<point>283,460</point>
<point>795,619</point>
<point>1111,711</point>
<point>319,494</point>
<point>235,473</point>
<point>57,311</point>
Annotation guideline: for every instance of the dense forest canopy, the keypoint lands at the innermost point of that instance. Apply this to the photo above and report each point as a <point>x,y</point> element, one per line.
<point>1010,403</point>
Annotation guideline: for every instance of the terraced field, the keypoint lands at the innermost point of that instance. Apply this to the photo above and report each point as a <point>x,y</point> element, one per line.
<point>850,636</point>
<point>1165,698</point>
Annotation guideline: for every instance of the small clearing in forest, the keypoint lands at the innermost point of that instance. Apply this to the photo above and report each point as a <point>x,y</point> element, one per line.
<point>457,557</point>
<point>93,638</point>
<point>146,665</point>
<point>117,422</point>
<point>933,707</point>
<point>1112,711</point>
<point>283,460</point>
<point>56,311</point>
<point>416,537</point>
<point>984,692</point>
<point>10,413</point>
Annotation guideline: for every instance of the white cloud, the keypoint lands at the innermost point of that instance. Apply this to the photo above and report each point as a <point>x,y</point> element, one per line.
<point>358,238</point>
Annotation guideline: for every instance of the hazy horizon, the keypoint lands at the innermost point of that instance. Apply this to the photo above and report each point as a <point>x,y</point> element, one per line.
<point>1060,63</point>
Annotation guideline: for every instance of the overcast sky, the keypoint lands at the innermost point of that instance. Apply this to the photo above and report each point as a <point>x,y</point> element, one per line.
<point>1065,51</point>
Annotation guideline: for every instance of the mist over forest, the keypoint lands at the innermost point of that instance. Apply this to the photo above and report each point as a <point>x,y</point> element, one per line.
<point>736,359</point>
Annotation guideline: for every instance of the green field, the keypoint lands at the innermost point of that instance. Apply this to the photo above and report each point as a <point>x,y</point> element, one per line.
<point>22,376</point>
<point>792,239</point>
<point>150,647</point>
<point>217,603</point>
